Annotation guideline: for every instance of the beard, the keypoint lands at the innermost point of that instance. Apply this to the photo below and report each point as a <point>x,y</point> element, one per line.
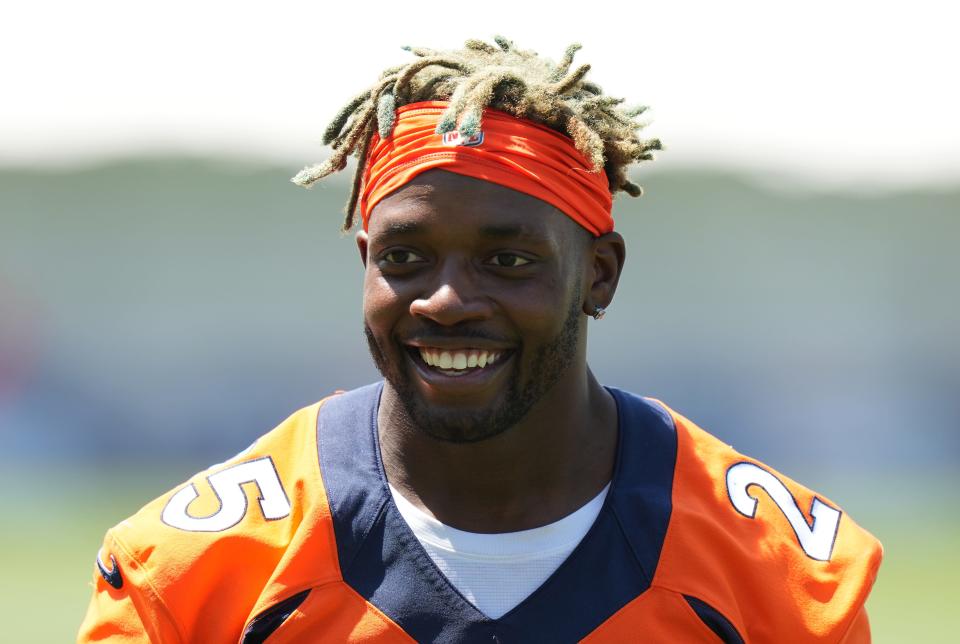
<point>550,361</point>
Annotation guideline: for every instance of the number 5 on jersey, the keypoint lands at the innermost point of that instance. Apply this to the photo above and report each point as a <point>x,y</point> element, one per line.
<point>227,486</point>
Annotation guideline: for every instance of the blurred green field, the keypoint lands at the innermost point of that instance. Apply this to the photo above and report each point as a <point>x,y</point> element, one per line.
<point>47,559</point>
<point>173,306</point>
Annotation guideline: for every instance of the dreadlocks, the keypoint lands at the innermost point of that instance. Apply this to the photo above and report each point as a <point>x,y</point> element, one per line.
<point>501,77</point>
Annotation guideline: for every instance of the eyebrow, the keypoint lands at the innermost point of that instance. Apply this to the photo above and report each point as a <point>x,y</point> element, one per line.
<point>400,228</point>
<point>509,231</point>
<point>503,231</point>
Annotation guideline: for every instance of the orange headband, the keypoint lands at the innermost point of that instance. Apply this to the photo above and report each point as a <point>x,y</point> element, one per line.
<point>509,151</point>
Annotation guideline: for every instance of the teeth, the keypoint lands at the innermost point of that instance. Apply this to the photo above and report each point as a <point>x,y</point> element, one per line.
<point>458,360</point>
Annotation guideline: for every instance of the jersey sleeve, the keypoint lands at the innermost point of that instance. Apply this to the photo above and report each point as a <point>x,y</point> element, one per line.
<point>859,632</point>
<point>192,565</point>
<point>776,559</point>
<point>124,607</point>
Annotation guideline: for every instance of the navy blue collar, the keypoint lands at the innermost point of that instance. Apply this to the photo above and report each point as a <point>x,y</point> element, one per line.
<point>382,560</point>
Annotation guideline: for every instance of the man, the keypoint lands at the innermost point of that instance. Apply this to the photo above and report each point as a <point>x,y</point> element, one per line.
<point>489,489</point>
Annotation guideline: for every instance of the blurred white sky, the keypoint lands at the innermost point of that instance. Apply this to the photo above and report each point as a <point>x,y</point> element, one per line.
<point>835,93</point>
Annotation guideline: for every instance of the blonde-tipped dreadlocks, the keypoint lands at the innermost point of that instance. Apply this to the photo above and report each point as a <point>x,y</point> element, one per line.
<point>504,78</point>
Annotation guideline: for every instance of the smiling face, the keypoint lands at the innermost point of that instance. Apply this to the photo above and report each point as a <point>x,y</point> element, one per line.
<point>473,304</point>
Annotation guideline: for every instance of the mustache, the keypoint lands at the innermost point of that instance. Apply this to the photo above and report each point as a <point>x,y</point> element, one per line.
<point>432,330</point>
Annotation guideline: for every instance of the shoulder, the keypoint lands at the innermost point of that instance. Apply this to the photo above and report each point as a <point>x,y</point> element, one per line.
<point>231,530</point>
<point>755,549</point>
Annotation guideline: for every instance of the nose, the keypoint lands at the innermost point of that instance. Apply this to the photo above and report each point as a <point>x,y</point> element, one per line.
<point>453,298</point>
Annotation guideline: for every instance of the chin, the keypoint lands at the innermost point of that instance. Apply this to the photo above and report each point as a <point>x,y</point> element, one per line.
<point>466,417</point>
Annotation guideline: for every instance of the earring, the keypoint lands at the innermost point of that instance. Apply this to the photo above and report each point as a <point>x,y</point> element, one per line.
<point>599,312</point>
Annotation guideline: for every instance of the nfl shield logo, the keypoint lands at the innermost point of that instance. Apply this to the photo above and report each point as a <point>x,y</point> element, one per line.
<point>455,138</point>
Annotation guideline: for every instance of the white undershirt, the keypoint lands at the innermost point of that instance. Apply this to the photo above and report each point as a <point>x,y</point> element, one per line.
<point>495,572</point>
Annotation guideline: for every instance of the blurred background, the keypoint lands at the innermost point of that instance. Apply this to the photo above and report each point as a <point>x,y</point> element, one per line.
<point>166,295</point>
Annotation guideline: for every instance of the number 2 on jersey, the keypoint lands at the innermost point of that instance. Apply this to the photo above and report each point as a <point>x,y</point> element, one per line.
<point>816,538</point>
<point>227,485</point>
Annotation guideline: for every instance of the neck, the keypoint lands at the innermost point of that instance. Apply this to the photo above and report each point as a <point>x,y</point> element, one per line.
<point>558,457</point>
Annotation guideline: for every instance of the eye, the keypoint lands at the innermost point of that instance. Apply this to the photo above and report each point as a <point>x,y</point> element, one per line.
<point>508,260</point>
<point>401,257</point>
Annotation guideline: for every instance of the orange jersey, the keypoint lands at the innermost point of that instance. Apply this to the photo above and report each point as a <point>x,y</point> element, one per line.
<point>297,539</point>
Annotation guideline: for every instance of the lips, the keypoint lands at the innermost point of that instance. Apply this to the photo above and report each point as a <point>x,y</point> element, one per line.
<point>458,359</point>
<point>457,366</point>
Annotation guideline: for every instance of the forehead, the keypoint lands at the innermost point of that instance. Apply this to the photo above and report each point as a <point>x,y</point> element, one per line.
<point>438,201</point>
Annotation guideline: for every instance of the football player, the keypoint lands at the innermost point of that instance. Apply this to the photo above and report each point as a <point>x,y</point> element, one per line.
<point>489,489</point>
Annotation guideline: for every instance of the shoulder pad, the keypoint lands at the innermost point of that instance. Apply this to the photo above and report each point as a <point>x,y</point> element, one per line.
<point>773,557</point>
<point>231,531</point>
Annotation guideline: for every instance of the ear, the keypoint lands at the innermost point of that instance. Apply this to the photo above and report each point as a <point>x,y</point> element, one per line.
<point>604,264</point>
<point>362,246</point>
